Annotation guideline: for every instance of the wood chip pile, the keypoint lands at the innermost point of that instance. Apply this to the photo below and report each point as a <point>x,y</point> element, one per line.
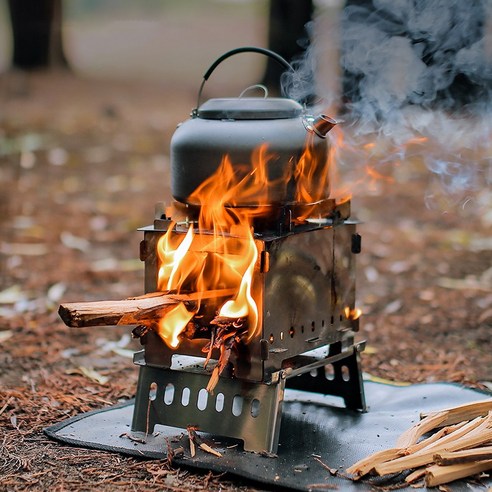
<point>442,447</point>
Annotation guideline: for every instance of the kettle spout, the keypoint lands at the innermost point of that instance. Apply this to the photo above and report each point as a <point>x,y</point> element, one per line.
<point>321,125</point>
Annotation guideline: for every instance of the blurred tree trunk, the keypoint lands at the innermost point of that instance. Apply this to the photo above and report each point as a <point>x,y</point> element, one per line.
<point>287,35</point>
<point>37,34</point>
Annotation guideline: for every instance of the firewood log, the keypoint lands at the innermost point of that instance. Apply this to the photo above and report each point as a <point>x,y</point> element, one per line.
<point>465,456</point>
<point>437,475</point>
<point>135,310</point>
<point>460,449</point>
<point>468,411</point>
<point>475,433</point>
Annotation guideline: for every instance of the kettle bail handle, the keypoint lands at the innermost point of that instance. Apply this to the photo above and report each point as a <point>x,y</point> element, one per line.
<point>244,49</point>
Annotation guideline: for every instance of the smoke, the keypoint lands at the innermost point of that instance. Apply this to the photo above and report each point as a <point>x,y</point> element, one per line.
<point>407,70</point>
<point>299,84</point>
<point>431,53</point>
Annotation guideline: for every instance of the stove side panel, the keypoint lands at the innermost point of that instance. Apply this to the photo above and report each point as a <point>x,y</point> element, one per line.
<point>309,286</point>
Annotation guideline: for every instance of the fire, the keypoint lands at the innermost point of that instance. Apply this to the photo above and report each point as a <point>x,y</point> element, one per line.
<point>311,174</point>
<point>171,326</point>
<point>352,314</point>
<point>339,189</point>
<point>171,271</point>
<point>223,255</point>
<point>244,305</point>
<point>377,176</point>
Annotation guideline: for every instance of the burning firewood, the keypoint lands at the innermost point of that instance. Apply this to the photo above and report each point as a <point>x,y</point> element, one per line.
<point>145,311</point>
<point>131,311</point>
<point>225,337</point>
<point>458,450</point>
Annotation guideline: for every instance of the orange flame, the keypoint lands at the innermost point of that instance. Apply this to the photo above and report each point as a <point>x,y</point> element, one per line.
<point>377,176</point>
<point>312,174</point>
<point>340,192</point>
<point>171,326</point>
<point>224,254</point>
<point>352,314</point>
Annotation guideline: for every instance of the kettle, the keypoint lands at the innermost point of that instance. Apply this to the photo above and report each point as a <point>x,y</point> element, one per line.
<point>236,127</point>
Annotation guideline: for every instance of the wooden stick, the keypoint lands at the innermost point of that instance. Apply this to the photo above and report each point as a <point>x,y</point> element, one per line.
<point>416,475</point>
<point>437,475</point>
<point>366,465</point>
<point>465,456</point>
<point>425,443</point>
<point>411,436</point>
<point>461,431</point>
<point>468,411</point>
<point>478,435</point>
<point>466,426</point>
<point>130,311</point>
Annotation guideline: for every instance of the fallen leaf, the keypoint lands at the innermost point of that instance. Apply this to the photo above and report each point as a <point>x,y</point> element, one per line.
<point>5,335</point>
<point>123,352</point>
<point>486,315</point>
<point>376,379</point>
<point>24,249</point>
<point>57,156</point>
<point>56,291</point>
<point>370,350</point>
<point>90,374</point>
<point>12,295</point>
<point>74,242</point>
<point>393,307</point>
<point>464,284</point>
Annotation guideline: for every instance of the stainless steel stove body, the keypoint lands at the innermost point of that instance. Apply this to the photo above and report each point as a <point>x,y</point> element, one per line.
<point>304,287</point>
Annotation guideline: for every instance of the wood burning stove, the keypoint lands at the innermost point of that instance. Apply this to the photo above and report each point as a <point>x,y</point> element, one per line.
<point>304,283</point>
<point>261,263</point>
<point>298,330</point>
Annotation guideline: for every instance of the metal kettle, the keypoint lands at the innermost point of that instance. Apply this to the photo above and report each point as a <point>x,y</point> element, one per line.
<point>236,127</point>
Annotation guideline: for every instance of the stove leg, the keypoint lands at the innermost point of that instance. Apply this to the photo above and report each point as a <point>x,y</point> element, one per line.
<point>238,409</point>
<point>341,378</point>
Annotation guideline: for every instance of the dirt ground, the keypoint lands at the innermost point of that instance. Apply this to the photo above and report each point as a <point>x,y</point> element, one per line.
<point>82,164</point>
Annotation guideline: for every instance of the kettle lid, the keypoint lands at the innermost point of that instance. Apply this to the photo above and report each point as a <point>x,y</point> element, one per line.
<point>249,108</point>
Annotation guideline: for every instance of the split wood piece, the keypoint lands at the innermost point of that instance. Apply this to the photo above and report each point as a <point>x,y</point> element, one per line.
<point>444,431</point>
<point>416,475</point>
<point>470,435</point>
<point>195,440</point>
<point>366,465</point>
<point>227,336</point>
<point>465,456</point>
<point>135,310</point>
<point>419,473</point>
<point>411,436</point>
<point>407,456</point>
<point>468,411</point>
<point>438,475</point>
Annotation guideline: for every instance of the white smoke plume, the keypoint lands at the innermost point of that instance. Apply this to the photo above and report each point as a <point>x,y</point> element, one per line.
<point>407,70</point>
<point>433,53</point>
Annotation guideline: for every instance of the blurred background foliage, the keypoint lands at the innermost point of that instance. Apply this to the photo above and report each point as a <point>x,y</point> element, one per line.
<point>163,40</point>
